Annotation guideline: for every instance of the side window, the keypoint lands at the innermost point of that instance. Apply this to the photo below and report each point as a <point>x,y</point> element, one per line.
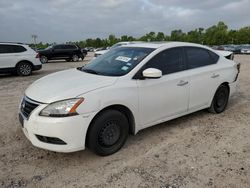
<point>168,61</point>
<point>18,49</point>
<point>2,49</point>
<point>71,47</point>
<point>6,48</point>
<point>214,56</point>
<point>58,47</point>
<point>198,57</point>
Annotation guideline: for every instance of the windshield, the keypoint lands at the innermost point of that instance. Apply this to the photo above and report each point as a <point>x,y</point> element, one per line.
<point>117,62</point>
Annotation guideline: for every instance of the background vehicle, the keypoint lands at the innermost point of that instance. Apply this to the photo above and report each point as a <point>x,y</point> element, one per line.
<point>100,52</point>
<point>123,91</point>
<point>18,58</point>
<point>69,52</point>
<point>245,49</point>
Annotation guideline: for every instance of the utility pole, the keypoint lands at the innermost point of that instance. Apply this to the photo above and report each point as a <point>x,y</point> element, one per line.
<point>34,37</point>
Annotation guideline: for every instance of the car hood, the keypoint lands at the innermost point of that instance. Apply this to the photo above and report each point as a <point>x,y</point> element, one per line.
<point>66,84</point>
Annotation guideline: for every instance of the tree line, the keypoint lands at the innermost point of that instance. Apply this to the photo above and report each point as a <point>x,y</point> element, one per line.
<point>218,34</point>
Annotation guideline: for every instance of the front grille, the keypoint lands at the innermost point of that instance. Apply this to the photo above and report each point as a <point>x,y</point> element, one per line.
<point>28,106</point>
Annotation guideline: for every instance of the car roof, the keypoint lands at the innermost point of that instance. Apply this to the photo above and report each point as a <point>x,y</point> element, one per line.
<point>156,45</point>
<point>12,43</point>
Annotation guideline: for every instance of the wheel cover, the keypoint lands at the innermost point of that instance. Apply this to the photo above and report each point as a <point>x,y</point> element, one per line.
<point>109,134</point>
<point>75,58</point>
<point>221,98</point>
<point>25,69</point>
<point>43,59</point>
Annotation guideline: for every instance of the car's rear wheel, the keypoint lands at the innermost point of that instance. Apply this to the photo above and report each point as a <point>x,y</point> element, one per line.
<point>108,132</point>
<point>75,58</point>
<point>24,69</point>
<point>220,99</point>
<point>43,59</point>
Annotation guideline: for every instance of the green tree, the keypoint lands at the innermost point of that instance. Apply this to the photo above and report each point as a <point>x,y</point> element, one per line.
<point>160,36</point>
<point>217,34</point>
<point>177,35</point>
<point>243,35</point>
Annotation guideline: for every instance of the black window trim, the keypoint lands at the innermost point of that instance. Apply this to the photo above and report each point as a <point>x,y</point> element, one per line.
<point>138,74</point>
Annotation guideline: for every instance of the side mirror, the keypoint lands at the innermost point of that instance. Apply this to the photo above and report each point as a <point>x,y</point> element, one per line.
<point>152,73</point>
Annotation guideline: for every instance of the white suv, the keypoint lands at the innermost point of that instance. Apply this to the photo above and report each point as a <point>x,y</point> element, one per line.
<point>123,91</point>
<point>18,58</point>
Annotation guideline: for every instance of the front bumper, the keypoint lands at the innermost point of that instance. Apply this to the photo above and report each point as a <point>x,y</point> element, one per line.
<point>233,88</point>
<point>71,130</point>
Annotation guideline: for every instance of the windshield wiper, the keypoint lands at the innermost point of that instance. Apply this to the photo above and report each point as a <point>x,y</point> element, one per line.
<point>90,71</point>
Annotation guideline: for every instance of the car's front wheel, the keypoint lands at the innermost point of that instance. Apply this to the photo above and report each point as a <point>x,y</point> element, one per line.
<point>24,69</point>
<point>108,132</point>
<point>220,100</point>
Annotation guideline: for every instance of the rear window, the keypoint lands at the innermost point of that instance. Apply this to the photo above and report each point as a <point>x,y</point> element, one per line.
<point>199,57</point>
<point>7,48</point>
<point>214,56</point>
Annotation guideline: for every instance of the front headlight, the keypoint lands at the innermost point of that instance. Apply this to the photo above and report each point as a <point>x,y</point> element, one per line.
<point>62,108</point>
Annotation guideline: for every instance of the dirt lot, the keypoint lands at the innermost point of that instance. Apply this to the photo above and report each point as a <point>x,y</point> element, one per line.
<point>198,150</point>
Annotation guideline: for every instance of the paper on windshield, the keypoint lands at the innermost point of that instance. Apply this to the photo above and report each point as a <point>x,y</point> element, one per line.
<point>123,58</point>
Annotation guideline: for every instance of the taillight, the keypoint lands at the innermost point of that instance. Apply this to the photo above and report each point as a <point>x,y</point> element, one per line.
<point>238,67</point>
<point>37,55</point>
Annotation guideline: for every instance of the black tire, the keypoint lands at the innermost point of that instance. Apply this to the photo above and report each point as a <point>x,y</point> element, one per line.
<point>220,100</point>
<point>107,133</point>
<point>75,58</point>
<point>24,69</point>
<point>43,59</point>
<point>68,60</point>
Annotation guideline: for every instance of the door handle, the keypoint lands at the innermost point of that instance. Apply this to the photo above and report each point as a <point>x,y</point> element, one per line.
<point>215,75</point>
<point>182,83</point>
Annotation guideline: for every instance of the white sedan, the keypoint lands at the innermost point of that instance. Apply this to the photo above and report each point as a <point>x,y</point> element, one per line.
<point>122,92</point>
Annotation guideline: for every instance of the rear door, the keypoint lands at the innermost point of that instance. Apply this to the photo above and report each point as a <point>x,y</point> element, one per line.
<point>8,56</point>
<point>204,76</point>
<point>70,50</point>
<point>58,52</point>
<point>167,96</point>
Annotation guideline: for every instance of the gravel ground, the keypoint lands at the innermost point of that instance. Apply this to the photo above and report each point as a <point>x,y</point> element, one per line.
<point>198,150</point>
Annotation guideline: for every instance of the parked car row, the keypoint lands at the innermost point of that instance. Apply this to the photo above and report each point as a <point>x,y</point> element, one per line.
<point>236,49</point>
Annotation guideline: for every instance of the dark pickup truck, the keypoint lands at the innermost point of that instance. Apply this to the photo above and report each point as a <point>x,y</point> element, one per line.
<point>69,52</point>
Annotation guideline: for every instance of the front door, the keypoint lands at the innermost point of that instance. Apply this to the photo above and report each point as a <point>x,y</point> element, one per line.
<point>160,99</point>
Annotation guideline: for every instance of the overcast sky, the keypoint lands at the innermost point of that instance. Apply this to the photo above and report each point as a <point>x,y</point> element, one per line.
<point>65,20</point>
